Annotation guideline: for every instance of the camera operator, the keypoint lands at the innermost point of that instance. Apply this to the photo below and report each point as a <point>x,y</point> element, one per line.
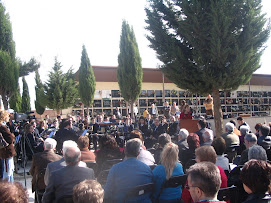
<point>35,143</point>
<point>7,153</point>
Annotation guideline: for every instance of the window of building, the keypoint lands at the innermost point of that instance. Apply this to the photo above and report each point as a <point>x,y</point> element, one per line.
<point>97,103</point>
<point>167,93</point>
<point>158,93</point>
<point>116,103</point>
<point>106,103</point>
<point>115,93</point>
<point>150,93</point>
<point>143,102</point>
<point>143,93</point>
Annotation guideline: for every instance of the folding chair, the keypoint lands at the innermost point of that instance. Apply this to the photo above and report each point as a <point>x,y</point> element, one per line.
<point>229,193</point>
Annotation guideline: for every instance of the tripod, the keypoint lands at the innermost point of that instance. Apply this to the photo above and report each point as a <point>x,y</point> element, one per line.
<point>24,140</point>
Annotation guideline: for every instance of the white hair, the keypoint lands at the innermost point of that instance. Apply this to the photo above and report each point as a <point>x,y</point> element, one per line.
<point>184,133</point>
<point>208,135</point>
<point>257,152</point>
<point>244,130</point>
<point>229,126</point>
<point>50,143</point>
<point>68,144</point>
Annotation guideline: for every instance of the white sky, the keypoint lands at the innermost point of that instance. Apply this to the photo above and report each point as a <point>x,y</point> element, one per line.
<point>45,29</point>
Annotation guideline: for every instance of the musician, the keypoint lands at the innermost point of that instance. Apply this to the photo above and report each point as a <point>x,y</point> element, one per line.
<point>157,128</point>
<point>149,120</point>
<point>35,143</point>
<point>36,131</point>
<point>95,127</point>
<point>143,127</point>
<point>165,123</point>
<point>173,126</point>
<point>128,126</point>
<point>42,126</point>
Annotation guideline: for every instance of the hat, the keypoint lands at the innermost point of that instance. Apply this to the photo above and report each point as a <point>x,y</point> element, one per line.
<point>10,111</point>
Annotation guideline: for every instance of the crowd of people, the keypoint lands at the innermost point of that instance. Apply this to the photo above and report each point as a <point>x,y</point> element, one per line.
<point>104,159</point>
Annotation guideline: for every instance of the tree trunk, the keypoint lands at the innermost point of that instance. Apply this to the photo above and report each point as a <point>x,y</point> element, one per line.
<point>132,110</point>
<point>88,111</point>
<point>127,108</point>
<point>5,102</point>
<point>218,118</point>
<point>83,111</point>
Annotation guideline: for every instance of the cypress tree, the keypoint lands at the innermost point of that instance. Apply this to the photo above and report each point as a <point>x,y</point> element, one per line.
<point>130,72</point>
<point>208,45</point>
<point>87,81</point>
<point>61,89</point>
<point>15,101</point>
<point>40,102</point>
<point>25,97</point>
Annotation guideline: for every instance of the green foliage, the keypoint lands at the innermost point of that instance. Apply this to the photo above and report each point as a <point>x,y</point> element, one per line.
<point>87,81</point>
<point>207,45</point>
<point>28,67</point>
<point>61,89</point>
<point>40,102</point>
<point>130,72</point>
<point>15,101</point>
<point>25,98</point>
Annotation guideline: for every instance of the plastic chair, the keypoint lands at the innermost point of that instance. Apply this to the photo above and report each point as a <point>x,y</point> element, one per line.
<point>109,163</point>
<point>140,190</point>
<point>92,165</point>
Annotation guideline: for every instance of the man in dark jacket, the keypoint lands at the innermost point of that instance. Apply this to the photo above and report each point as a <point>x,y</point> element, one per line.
<point>264,139</point>
<point>63,134</point>
<point>39,164</point>
<point>182,142</point>
<point>62,181</point>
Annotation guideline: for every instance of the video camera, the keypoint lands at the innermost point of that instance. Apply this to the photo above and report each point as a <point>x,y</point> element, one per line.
<point>23,116</point>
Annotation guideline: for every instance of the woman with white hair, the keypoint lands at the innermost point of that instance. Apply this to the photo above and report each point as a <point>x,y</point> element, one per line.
<point>169,167</point>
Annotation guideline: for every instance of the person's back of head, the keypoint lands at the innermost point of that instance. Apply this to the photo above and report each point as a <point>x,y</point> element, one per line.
<point>183,134</point>
<point>251,138</point>
<point>163,139</point>
<point>202,123</point>
<point>169,158</point>
<point>83,142</point>
<point>206,153</point>
<point>193,141</point>
<point>68,144</point>
<point>257,126</point>
<point>50,144</point>
<point>255,176</point>
<point>132,148</point>
<point>264,130</point>
<point>257,152</point>
<point>240,118</point>
<point>244,130</point>
<point>233,122</point>
<point>72,155</point>
<point>207,135</point>
<point>12,193</point>
<point>88,191</point>
<point>219,145</point>
<point>229,127</point>
<point>205,180</point>
<point>66,123</point>
<point>136,134</point>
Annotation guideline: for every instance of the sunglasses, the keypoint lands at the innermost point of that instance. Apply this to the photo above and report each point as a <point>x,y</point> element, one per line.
<point>189,187</point>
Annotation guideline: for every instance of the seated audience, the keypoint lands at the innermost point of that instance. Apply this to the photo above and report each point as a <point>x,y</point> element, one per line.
<point>143,127</point>
<point>257,152</point>
<point>39,163</point>
<point>12,193</point>
<point>86,154</point>
<point>62,181</point>
<point>88,191</point>
<point>206,154</point>
<point>219,145</point>
<point>264,139</point>
<point>189,154</point>
<point>243,130</point>
<point>250,140</point>
<point>162,140</point>
<point>229,137</point>
<point>128,174</point>
<point>207,137</point>
<point>157,128</point>
<point>204,182</point>
<point>53,166</point>
<point>108,150</point>
<point>169,167</point>
<point>255,176</point>
<point>173,126</point>
<point>36,143</point>
<point>145,156</point>
<point>182,141</point>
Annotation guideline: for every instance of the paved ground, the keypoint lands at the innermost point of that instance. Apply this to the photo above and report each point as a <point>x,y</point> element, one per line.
<point>19,177</point>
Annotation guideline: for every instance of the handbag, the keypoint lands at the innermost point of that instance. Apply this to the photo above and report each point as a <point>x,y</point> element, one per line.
<point>3,142</point>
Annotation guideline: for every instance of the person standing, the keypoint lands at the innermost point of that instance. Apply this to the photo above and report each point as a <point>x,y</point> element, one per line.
<point>7,153</point>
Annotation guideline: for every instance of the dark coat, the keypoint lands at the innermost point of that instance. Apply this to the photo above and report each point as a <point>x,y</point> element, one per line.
<point>62,181</point>
<point>63,135</point>
<point>258,198</point>
<point>8,151</point>
<point>39,164</point>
